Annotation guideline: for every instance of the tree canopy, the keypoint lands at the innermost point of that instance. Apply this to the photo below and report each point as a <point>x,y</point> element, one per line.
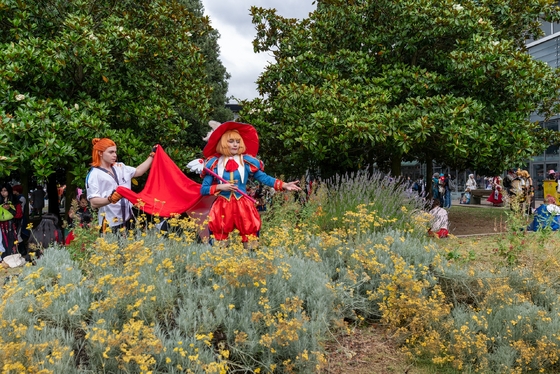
<point>138,72</point>
<point>381,81</point>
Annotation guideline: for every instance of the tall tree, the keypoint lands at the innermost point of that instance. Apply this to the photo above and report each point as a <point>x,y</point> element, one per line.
<point>383,81</point>
<point>216,77</point>
<point>134,71</point>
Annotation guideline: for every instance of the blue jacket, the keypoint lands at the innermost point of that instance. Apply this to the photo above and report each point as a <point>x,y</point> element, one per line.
<point>543,218</point>
<point>250,167</point>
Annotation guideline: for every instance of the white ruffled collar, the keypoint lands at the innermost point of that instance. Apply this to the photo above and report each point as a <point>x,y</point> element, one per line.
<point>222,164</point>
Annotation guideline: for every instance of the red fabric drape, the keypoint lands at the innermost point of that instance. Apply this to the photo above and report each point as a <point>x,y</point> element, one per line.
<point>169,191</point>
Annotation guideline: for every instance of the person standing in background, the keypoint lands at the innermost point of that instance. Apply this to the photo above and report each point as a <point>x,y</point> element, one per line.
<point>38,200</point>
<point>448,185</point>
<point>530,199</point>
<point>496,197</point>
<point>508,181</point>
<point>12,212</point>
<point>17,191</point>
<point>419,186</point>
<point>435,186</point>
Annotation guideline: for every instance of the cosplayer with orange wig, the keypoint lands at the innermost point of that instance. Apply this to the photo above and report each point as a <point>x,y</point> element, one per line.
<point>103,179</point>
<point>99,146</point>
<point>231,154</point>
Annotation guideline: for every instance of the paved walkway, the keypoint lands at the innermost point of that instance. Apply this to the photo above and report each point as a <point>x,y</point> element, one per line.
<point>486,204</point>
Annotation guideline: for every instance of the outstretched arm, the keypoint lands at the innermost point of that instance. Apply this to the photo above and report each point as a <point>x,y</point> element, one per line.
<point>143,167</point>
<point>291,186</point>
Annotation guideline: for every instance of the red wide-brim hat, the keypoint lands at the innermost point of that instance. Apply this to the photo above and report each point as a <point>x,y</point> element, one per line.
<point>247,132</point>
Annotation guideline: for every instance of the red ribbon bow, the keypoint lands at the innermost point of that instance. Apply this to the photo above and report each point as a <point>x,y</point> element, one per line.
<point>231,165</point>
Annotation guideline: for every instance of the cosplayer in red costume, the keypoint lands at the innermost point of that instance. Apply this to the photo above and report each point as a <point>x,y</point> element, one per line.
<point>496,197</point>
<point>230,153</point>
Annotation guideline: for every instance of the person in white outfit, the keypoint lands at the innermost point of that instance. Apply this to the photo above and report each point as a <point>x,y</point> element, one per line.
<point>103,179</point>
<point>471,183</point>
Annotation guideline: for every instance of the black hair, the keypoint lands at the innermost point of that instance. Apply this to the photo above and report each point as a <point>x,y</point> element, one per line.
<point>10,190</point>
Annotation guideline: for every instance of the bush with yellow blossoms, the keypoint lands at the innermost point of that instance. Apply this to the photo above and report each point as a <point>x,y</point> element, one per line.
<point>353,252</point>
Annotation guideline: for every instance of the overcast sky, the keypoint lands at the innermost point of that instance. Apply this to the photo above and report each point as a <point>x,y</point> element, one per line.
<point>232,19</point>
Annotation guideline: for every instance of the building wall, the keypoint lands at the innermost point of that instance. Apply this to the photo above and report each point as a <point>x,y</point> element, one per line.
<point>546,49</point>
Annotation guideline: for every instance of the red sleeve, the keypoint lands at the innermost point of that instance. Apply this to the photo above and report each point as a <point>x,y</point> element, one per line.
<point>253,168</point>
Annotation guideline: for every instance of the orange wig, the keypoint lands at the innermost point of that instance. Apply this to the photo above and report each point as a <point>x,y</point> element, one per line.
<point>99,146</point>
<point>222,146</point>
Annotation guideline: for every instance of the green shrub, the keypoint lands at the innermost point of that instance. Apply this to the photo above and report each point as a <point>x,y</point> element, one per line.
<point>355,251</point>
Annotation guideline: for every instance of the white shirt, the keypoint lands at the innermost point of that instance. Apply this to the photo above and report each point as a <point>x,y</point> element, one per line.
<point>553,209</point>
<point>101,184</point>
<point>440,219</point>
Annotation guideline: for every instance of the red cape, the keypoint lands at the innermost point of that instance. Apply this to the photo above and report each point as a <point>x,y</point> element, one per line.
<point>169,191</point>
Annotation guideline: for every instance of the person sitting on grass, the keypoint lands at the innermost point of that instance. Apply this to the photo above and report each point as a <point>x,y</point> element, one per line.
<point>439,222</point>
<point>547,215</point>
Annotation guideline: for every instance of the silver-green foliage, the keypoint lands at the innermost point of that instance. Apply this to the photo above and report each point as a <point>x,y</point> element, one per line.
<point>209,305</point>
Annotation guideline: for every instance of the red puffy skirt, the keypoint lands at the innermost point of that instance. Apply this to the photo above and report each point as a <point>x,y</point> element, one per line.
<point>495,197</point>
<point>227,215</point>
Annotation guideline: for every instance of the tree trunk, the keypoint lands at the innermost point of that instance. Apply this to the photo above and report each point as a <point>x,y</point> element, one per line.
<point>429,179</point>
<point>70,193</point>
<point>396,162</point>
<point>52,192</point>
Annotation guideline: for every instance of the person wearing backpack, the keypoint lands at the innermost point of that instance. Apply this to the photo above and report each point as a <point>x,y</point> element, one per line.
<point>45,234</point>
<point>448,185</point>
<point>419,186</point>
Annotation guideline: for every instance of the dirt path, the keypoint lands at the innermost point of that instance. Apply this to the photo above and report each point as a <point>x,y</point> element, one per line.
<point>366,351</point>
<point>473,220</point>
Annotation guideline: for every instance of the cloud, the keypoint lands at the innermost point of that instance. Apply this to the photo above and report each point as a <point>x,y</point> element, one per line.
<point>233,21</point>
